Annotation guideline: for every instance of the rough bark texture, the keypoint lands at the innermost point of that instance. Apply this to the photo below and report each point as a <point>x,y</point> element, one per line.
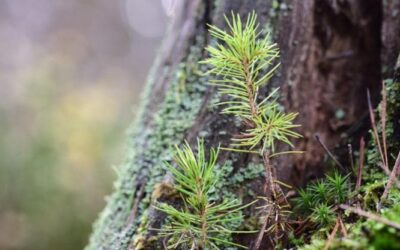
<point>332,51</point>
<point>333,56</point>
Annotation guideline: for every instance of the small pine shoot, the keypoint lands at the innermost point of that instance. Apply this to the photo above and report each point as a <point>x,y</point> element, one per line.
<point>244,62</point>
<point>240,62</point>
<point>202,223</point>
<point>270,127</point>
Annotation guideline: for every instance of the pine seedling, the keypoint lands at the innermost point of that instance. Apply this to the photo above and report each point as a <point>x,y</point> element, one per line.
<point>244,63</point>
<point>201,223</point>
<point>240,62</point>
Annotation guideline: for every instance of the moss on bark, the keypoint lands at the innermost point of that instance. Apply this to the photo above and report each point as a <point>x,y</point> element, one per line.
<point>177,106</point>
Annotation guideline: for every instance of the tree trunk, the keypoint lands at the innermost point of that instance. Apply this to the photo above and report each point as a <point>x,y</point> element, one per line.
<point>331,53</point>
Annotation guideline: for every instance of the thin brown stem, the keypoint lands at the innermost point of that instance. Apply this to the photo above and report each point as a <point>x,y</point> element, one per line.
<point>303,225</point>
<point>375,130</point>
<point>262,230</point>
<point>343,228</point>
<point>204,227</point>
<point>360,163</point>
<point>332,235</point>
<point>369,215</point>
<point>328,152</point>
<point>392,178</point>
<point>350,151</point>
<point>388,174</point>
<point>249,87</point>
<point>383,122</point>
<point>269,189</point>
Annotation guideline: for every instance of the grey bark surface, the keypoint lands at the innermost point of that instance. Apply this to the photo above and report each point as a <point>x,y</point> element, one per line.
<point>331,52</point>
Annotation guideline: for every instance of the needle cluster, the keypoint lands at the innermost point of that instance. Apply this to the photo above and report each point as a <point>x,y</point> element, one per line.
<point>201,223</point>
<point>245,62</point>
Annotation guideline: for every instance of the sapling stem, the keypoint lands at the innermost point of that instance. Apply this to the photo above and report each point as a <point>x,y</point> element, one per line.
<point>240,63</point>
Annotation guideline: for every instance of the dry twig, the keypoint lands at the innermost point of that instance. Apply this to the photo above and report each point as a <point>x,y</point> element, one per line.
<point>383,122</point>
<point>332,235</point>
<point>262,230</point>
<point>369,215</point>
<point>360,163</point>
<point>375,129</point>
<point>328,152</point>
<point>350,151</point>
<point>388,174</point>
<point>343,228</point>
<point>392,178</point>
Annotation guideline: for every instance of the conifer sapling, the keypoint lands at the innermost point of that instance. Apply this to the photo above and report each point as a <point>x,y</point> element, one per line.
<point>244,62</point>
<point>202,223</point>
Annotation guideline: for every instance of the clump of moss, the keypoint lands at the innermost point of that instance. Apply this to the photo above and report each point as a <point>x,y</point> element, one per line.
<point>361,232</point>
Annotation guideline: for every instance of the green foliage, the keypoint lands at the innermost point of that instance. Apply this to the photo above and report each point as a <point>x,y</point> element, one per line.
<point>363,233</point>
<point>392,131</point>
<point>240,62</point>
<point>332,190</point>
<point>194,175</point>
<point>338,187</point>
<point>323,215</point>
<point>147,152</point>
<point>202,222</point>
<point>318,198</point>
<point>385,237</point>
<point>244,63</point>
<point>271,126</point>
<point>305,201</point>
<point>320,192</point>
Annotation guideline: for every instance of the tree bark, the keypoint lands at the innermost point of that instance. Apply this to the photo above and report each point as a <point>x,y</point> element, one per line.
<point>332,51</point>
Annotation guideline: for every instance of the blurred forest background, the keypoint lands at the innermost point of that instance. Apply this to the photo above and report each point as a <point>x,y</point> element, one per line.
<point>71,73</point>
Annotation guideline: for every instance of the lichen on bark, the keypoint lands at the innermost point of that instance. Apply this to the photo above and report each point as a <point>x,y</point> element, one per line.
<point>316,62</point>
